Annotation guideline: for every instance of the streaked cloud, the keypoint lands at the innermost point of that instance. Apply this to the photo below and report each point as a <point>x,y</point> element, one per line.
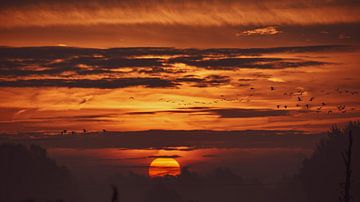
<point>164,139</point>
<point>196,13</point>
<point>222,112</point>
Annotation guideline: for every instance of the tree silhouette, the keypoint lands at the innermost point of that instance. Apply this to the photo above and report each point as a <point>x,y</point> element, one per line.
<point>321,174</point>
<point>347,155</point>
<point>26,172</point>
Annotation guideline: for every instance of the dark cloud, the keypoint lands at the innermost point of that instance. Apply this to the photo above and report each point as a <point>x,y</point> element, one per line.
<point>257,63</point>
<point>247,113</point>
<point>211,80</point>
<point>167,156</point>
<point>171,140</point>
<point>87,83</point>
<point>71,62</point>
<point>222,112</point>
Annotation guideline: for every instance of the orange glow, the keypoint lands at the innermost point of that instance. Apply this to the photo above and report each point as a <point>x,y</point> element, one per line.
<point>160,167</point>
<point>185,13</point>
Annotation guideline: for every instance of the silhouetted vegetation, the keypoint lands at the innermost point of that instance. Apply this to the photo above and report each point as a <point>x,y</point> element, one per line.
<point>333,170</point>
<point>321,177</point>
<point>27,174</point>
<point>347,157</point>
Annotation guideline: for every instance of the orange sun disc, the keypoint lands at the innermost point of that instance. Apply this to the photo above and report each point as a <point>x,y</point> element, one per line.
<point>161,167</point>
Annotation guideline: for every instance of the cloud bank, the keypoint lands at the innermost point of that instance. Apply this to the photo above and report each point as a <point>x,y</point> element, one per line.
<point>194,13</point>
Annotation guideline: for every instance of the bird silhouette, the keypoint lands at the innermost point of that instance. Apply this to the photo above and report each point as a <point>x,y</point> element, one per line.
<point>341,107</point>
<point>82,101</point>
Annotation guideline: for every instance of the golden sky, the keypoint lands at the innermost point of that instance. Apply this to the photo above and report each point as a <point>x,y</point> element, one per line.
<point>243,84</point>
<point>298,88</point>
<point>213,23</point>
<point>72,67</point>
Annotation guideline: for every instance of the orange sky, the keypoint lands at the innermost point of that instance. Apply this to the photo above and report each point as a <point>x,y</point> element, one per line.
<point>213,23</point>
<point>142,89</point>
<point>65,87</point>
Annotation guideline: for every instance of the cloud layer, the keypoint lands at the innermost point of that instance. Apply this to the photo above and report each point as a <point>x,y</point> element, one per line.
<point>203,13</point>
<point>175,140</point>
<point>148,67</point>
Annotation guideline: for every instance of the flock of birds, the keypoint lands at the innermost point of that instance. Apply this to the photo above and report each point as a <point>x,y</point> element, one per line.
<point>302,102</point>
<point>299,96</point>
<point>64,132</point>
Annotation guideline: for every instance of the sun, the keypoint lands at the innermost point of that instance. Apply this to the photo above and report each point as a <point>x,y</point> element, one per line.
<point>161,167</point>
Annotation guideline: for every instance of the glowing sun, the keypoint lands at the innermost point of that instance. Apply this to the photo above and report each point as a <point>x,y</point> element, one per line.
<point>160,167</point>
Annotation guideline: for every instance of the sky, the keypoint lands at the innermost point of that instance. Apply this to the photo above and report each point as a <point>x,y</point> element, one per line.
<point>185,24</point>
<point>200,67</point>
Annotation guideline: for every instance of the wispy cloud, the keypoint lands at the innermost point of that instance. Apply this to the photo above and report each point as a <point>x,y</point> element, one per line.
<point>203,13</point>
<point>222,113</point>
<point>260,31</point>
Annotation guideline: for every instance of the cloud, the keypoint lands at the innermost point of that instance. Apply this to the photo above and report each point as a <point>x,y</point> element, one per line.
<point>87,83</point>
<point>150,67</point>
<point>247,113</point>
<point>221,112</point>
<point>167,156</point>
<point>255,62</point>
<point>191,13</point>
<point>260,31</point>
<point>211,80</point>
<point>174,139</point>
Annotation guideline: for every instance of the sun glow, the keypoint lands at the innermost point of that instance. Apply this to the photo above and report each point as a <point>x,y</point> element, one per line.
<point>161,167</point>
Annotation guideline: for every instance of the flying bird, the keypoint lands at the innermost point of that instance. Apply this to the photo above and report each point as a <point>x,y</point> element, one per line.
<point>341,107</point>
<point>82,101</point>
